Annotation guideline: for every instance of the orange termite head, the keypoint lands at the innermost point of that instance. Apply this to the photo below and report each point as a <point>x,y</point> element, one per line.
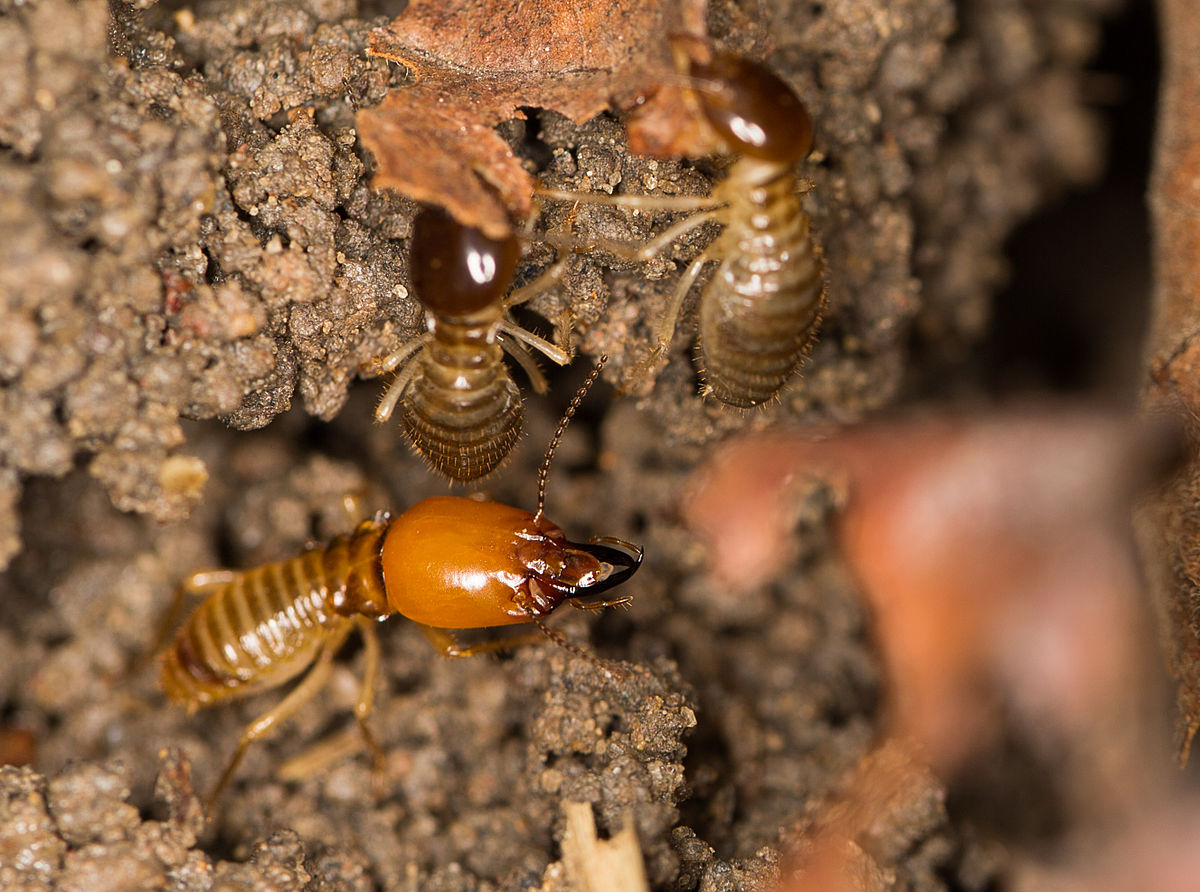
<point>457,270</point>
<point>455,563</point>
<point>751,109</point>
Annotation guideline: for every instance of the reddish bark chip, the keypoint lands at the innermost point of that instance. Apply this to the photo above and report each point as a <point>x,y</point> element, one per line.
<point>476,63</point>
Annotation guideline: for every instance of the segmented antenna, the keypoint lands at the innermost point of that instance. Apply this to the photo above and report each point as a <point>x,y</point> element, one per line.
<point>609,669</point>
<point>544,470</point>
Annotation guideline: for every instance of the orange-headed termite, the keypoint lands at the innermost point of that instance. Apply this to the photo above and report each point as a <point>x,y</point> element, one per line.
<point>459,406</point>
<point>447,563</point>
<point>760,311</point>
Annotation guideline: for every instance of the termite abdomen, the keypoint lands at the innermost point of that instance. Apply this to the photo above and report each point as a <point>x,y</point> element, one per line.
<point>762,309</point>
<point>463,411</point>
<point>260,627</point>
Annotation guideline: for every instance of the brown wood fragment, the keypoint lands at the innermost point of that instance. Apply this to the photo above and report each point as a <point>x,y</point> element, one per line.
<point>541,38</point>
<point>1171,528</point>
<point>447,154</point>
<point>476,63</point>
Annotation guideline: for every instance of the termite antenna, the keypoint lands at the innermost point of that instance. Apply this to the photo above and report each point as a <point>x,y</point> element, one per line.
<point>571,647</point>
<point>544,470</point>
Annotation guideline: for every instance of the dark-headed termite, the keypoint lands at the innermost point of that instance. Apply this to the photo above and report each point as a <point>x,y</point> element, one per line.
<point>760,311</point>
<point>449,564</point>
<point>458,404</point>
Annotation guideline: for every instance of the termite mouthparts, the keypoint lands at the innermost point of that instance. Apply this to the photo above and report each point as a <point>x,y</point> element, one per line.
<point>618,560</point>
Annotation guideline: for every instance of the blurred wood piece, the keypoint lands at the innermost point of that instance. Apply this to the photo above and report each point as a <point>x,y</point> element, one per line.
<point>1170,529</point>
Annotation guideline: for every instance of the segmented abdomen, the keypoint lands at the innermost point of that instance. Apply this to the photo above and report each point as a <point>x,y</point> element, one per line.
<point>462,410</point>
<point>267,624</point>
<point>761,310</point>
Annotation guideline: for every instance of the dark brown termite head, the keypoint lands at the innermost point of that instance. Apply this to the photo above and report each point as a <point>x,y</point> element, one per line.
<point>752,109</point>
<point>456,269</point>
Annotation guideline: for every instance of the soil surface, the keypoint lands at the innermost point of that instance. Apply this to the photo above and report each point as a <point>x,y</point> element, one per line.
<point>197,277</point>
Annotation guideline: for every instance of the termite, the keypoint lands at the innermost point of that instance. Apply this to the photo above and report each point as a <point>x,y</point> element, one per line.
<point>449,564</point>
<point>760,311</point>
<point>458,404</point>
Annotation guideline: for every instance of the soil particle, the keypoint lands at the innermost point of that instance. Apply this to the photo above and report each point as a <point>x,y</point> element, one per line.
<point>32,849</point>
<point>88,805</point>
<point>78,832</point>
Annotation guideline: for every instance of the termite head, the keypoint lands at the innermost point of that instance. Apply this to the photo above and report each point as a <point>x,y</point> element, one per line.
<point>457,270</point>
<point>751,109</point>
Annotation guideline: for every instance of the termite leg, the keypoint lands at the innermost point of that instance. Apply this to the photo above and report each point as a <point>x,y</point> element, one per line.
<point>546,280</point>
<point>453,642</point>
<point>664,330</point>
<point>517,351</point>
<point>395,390</point>
<point>650,249</point>
<point>318,758</point>
<point>308,688</point>
<point>704,209</point>
<point>366,694</point>
<point>349,741</point>
<point>636,202</point>
<point>551,351</point>
<point>600,605</point>
<point>396,358</point>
